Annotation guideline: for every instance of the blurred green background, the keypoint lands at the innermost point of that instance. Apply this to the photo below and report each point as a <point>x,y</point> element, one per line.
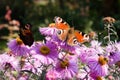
<point>85,15</point>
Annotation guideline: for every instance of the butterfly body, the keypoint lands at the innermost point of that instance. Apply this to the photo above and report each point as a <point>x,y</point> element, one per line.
<point>71,38</point>
<point>26,35</point>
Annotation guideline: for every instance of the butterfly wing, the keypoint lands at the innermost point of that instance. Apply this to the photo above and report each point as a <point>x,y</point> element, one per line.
<point>26,34</point>
<point>71,39</point>
<point>62,28</point>
<point>81,37</point>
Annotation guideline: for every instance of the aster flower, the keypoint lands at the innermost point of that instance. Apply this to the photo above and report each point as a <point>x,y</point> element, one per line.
<point>52,75</point>
<point>114,57</point>
<point>113,52</point>
<point>64,47</point>
<point>67,69</point>
<point>48,31</point>
<point>32,64</point>
<point>97,46</point>
<point>55,39</point>
<point>46,52</point>
<point>9,62</point>
<point>67,47</point>
<point>98,65</point>
<point>110,48</point>
<point>17,47</point>
<point>117,45</point>
<point>94,76</point>
<point>83,74</point>
<point>85,53</point>
<point>68,55</point>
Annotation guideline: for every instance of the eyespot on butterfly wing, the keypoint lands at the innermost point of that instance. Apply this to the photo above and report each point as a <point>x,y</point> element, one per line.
<point>26,34</point>
<point>60,23</point>
<point>81,37</point>
<point>62,28</point>
<point>71,39</point>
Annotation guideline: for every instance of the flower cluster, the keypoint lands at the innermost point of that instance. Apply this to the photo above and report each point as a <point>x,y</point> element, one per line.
<point>54,59</point>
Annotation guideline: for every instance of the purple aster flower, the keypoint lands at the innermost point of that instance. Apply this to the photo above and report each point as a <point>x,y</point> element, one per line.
<point>110,48</point>
<point>48,31</point>
<point>98,65</point>
<point>114,57</point>
<point>113,52</point>
<point>46,52</point>
<point>67,69</point>
<point>18,48</point>
<point>117,45</point>
<point>56,39</point>
<point>87,75</point>
<point>68,55</point>
<point>85,53</point>
<point>9,62</point>
<point>97,46</point>
<point>94,76</point>
<point>67,47</point>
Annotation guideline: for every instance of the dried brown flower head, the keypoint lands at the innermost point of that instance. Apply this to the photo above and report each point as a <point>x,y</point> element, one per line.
<point>108,20</point>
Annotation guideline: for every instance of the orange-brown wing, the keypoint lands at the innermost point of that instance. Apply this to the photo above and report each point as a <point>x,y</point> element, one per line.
<point>61,24</point>
<point>62,28</point>
<point>81,37</point>
<point>71,39</point>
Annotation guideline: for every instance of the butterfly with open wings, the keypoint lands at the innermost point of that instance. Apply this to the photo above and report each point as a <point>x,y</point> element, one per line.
<point>65,33</point>
<point>68,34</point>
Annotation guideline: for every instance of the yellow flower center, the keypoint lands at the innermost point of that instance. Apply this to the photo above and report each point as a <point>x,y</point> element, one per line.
<point>44,50</point>
<point>64,63</point>
<point>102,60</point>
<point>98,78</point>
<point>19,41</point>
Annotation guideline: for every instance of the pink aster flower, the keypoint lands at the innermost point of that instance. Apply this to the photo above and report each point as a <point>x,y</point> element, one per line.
<point>17,47</point>
<point>98,65</point>
<point>52,75</point>
<point>9,62</point>
<point>33,65</point>
<point>67,69</point>
<point>47,52</point>
<point>83,74</point>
